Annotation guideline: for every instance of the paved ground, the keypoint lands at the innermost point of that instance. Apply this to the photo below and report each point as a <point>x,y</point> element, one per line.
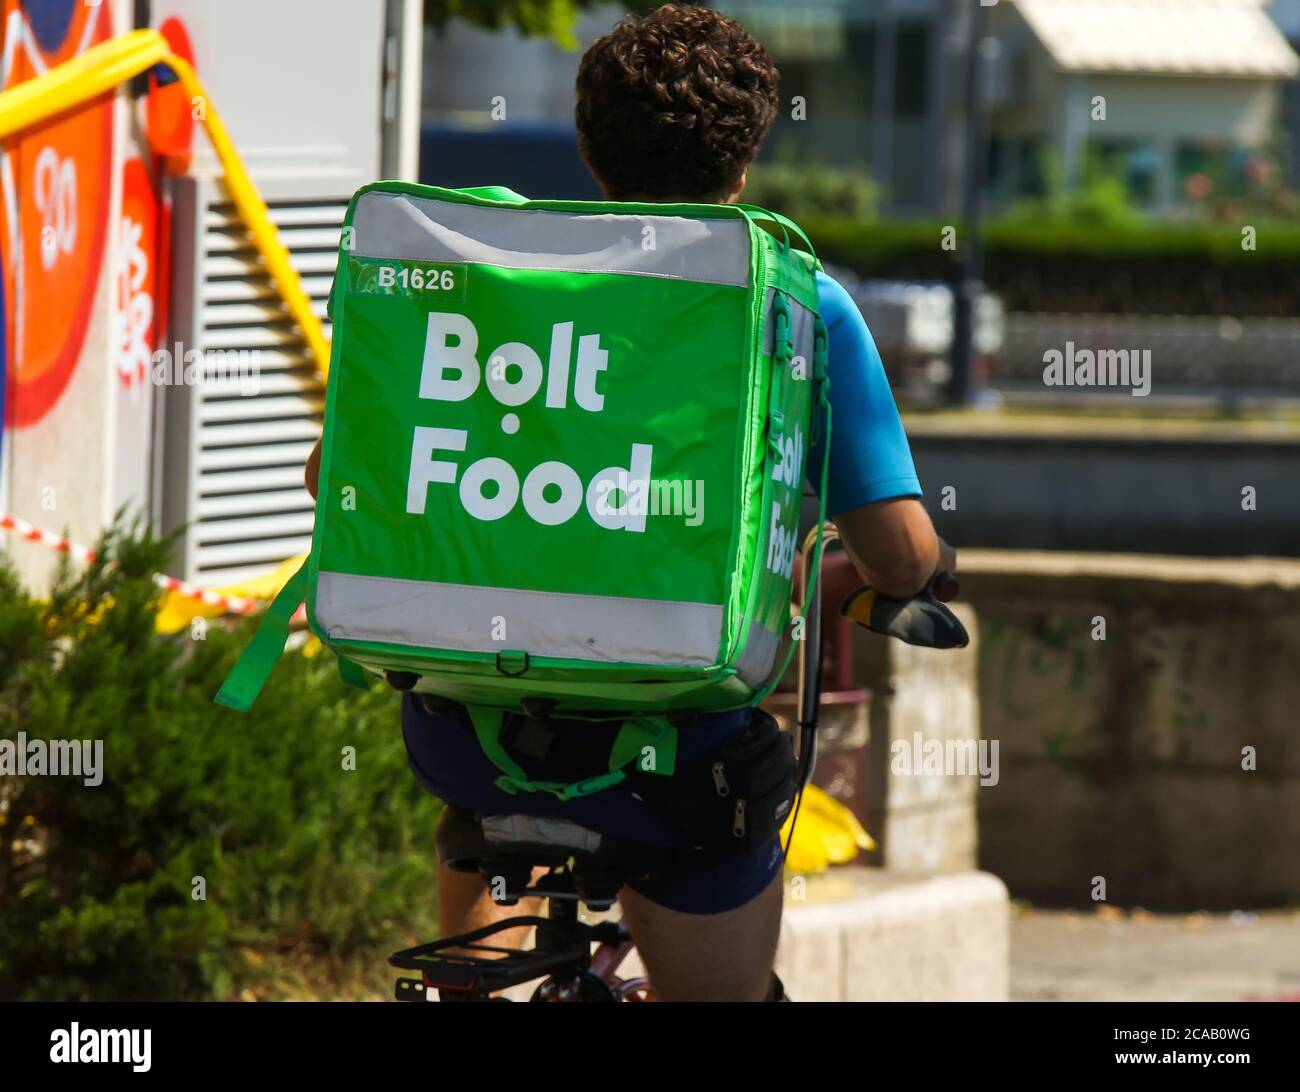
<point>1116,956</point>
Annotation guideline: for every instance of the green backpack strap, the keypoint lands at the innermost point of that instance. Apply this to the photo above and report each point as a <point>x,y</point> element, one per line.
<point>788,227</point>
<point>496,193</point>
<point>254,665</point>
<point>353,673</point>
<point>649,741</point>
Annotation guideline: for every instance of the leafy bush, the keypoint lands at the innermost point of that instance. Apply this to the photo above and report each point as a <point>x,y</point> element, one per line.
<point>802,190</point>
<point>297,853</point>
<point>1077,266</point>
<point>1100,198</point>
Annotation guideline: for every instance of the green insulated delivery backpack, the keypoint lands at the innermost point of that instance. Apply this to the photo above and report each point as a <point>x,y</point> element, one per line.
<point>563,452</point>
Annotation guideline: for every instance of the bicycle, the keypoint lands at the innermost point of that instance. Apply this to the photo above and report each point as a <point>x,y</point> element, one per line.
<point>588,867</point>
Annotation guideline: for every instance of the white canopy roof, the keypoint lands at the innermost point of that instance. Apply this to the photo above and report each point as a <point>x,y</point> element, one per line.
<point>1170,37</point>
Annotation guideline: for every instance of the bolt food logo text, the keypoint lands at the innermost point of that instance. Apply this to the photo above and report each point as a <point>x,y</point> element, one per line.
<point>451,373</point>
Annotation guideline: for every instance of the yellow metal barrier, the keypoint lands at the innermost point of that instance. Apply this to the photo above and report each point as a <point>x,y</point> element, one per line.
<point>106,66</point>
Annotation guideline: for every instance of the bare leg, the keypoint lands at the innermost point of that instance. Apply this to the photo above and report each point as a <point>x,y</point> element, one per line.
<point>464,904</point>
<point>707,957</point>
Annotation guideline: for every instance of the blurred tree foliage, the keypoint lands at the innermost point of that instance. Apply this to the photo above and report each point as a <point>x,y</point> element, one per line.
<point>556,19</point>
<point>1075,266</point>
<point>297,853</point>
<point>801,190</point>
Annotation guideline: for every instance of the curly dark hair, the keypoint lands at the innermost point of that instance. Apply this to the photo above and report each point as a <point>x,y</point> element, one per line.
<point>674,104</point>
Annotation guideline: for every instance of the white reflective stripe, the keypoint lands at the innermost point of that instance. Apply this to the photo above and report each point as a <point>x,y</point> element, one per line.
<point>391,225</point>
<point>539,830</point>
<point>462,617</point>
<point>759,657</point>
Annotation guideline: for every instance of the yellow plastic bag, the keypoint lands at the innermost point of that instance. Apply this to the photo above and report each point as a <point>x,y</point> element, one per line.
<point>827,833</point>
<point>179,610</point>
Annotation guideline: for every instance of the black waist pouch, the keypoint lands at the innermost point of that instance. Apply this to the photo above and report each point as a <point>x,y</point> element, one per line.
<point>736,798</point>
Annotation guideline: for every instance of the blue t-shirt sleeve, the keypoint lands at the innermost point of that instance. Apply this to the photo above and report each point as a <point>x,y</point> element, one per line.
<point>870,458</point>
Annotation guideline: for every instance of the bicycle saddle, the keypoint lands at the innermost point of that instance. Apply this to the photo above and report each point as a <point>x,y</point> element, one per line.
<point>508,847</point>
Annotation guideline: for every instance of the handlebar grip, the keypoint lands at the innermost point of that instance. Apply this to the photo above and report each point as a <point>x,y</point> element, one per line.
<point>922,620</point>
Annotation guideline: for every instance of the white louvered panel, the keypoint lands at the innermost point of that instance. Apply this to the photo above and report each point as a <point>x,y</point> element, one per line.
<point>295,238</point>
<point>260,335</point>
<point>312,213</point>
<point>249,458</point>
<point>260,555</point>
<point>302,379</point>
<point>286,359</point>
<point>249,482</point>
<point>235,313</point>
<point>246,291</point>
<point>251,528</point>
<point>248,264</point>
<point>271,383</point>
<point>250,509</point>
<point>260,432</point>
<point>271,500</point>
<point>237,409</point>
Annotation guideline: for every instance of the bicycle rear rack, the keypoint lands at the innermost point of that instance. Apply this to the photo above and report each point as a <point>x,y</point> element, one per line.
<point>468,967</point>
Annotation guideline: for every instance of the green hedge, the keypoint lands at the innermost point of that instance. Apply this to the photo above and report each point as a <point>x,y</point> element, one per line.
<point>1046,266</point>
<point>297,853</point>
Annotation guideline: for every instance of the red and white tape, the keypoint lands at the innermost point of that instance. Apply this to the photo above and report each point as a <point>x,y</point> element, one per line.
<point>231,604</point>
<point>31,533</point>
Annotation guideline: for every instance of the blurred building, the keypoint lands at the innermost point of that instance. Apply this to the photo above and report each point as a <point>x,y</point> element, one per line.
<point>863,83</point>
<point>498,109</point>
<point>1153,90</point>
<point>867,83</point>
<point>1188,86</point>
<point>1286,14</point>
<point>1157,90</point>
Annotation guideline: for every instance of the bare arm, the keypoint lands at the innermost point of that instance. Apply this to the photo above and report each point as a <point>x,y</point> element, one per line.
<point>311,475</point>
<point>894,546</point>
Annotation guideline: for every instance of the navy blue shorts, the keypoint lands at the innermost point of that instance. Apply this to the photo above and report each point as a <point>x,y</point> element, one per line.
<point>450,763</point>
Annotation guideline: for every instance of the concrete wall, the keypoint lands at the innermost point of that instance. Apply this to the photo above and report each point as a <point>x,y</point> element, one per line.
<point>1138,488</point>
<point>1123,758</point>
<point>869,934</point>
<point>924,822</point>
